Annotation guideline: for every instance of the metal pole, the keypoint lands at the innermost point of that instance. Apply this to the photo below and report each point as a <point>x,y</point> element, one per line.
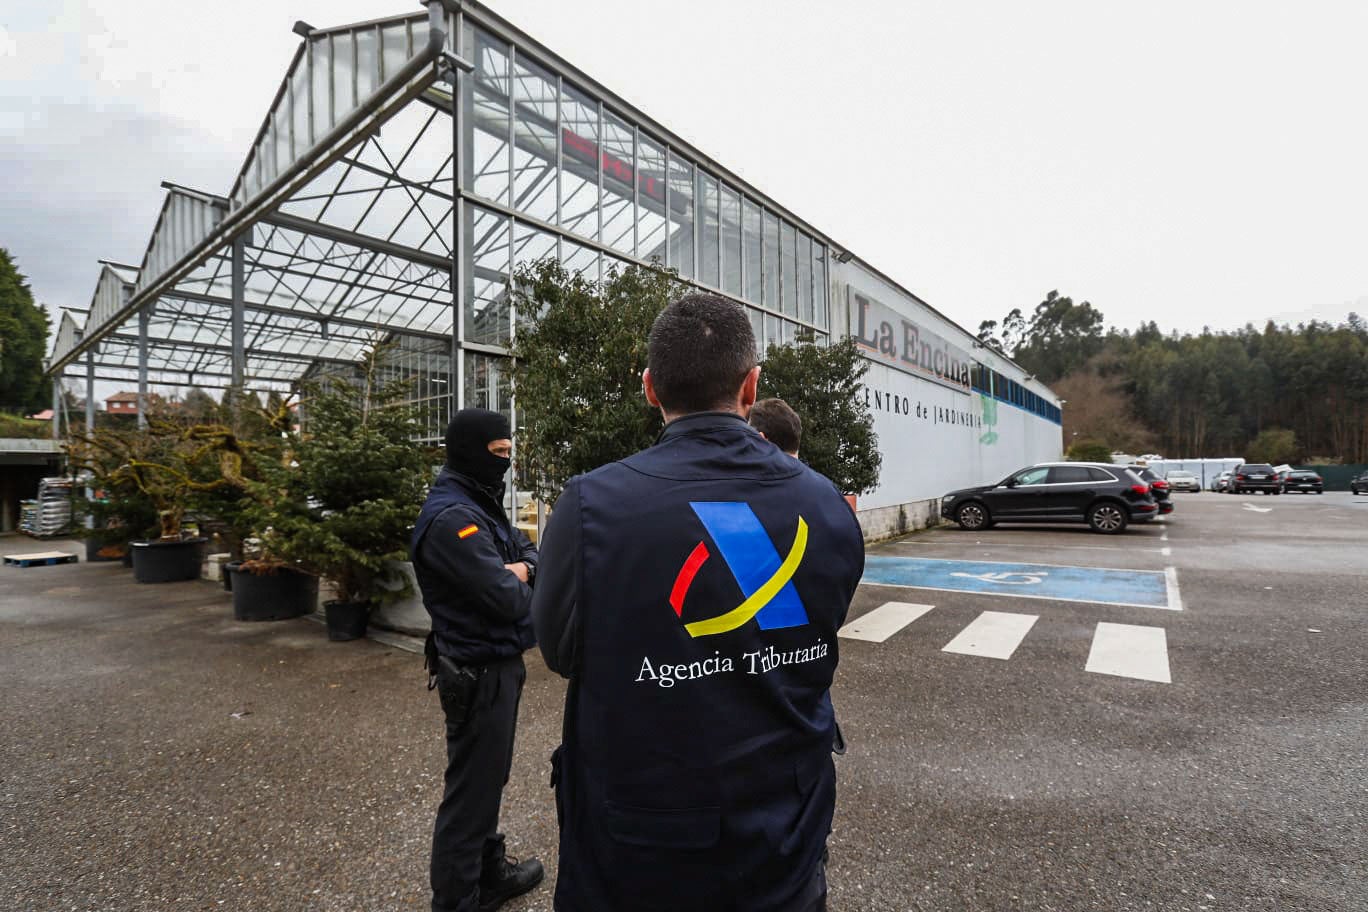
<point>90,422</point>
<point>459,118</point>
<point>144,318</point>
<point>239,293</point>
<point>90,390</point>
<point>57,407</point>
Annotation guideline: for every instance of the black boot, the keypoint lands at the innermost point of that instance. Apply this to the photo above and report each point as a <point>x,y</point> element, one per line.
<point>502,878</point>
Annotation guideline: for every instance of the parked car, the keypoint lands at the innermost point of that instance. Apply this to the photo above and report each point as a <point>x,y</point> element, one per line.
<point>1255,476</point>
<point>1180,480</point>
<point>1159,488</point>
<point>1359,485</point>
<point>1106,497</point>
<point>1221,483</point>
<point>1302,481</point>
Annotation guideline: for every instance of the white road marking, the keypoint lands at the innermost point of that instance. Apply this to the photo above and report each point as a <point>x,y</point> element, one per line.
<point>1250,506</point>
<point>1167,552</point>
<point>1130,651</point>
<point>1164,537</point>
<point>993,634</point>
<point>884,621</point>
<point>1175,598</point>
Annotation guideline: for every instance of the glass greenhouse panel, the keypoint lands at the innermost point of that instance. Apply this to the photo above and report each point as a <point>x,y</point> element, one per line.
<point>618,161</point>
<point>579,176</point>
<point>710,234</point>
<point>534,141</point>
<point>651,222</point>
<point>731,242</point>
<point>681,214</point>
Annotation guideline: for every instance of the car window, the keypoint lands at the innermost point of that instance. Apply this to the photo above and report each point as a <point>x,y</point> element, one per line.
<point>1100,474</point>
<point>1070,475</point>
<point>1032,476</point>
<point>1261,469</point>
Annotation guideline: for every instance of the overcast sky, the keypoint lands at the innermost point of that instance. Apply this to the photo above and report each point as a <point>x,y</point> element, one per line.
<point>1191,163</point>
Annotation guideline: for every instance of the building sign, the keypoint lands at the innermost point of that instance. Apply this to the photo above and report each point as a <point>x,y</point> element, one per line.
<point>901,343</point>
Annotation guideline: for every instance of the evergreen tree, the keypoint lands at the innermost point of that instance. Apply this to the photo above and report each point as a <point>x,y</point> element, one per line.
<point>822,384</point>
<point>579,351</point>
<point>23,343</point>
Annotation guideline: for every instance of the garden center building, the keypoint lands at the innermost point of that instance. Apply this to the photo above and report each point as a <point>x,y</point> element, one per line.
<point>403,169</point>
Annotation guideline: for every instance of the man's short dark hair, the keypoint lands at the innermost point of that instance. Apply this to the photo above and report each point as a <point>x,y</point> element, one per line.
<point>701,348</point>
<point>778,422</point>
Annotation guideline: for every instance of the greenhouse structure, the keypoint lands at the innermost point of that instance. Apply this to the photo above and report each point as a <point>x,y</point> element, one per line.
<point>407,165</point>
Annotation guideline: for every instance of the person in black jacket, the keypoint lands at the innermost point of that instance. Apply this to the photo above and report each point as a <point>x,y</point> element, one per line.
<point>692,593</point>
<point>778,423</point>
<point>475,570</point>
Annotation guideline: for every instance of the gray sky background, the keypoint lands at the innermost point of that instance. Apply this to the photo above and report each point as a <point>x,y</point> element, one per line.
<point>1191,163</point>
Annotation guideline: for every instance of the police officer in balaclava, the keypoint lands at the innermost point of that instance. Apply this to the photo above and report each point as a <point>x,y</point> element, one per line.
<point>475,570</point>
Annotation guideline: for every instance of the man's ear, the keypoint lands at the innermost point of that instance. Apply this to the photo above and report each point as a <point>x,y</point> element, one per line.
<point>648,387</point>
<point>749,388</point>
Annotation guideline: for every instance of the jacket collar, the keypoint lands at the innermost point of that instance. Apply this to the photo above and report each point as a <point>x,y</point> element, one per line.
<point>492,505</point>
<point>704,422</point>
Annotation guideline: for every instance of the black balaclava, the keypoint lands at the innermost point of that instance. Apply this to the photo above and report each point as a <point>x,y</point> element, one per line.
<point>467,447</point>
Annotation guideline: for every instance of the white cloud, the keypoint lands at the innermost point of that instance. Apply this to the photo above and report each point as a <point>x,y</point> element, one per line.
<point>1191,164</point>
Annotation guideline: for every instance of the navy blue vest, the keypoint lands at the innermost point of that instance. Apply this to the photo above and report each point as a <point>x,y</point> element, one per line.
<point>696,774</point>
<point>461,630</point>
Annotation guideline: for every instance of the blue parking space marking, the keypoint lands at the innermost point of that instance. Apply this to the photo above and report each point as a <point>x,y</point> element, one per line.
<point>1098,585</point>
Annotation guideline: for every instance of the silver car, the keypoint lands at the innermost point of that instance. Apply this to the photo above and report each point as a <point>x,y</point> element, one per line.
<point>1221,483</point>
<point>1183,481</point>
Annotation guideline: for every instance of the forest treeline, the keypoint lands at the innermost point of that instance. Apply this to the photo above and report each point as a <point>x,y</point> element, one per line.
<point>1274,392</point>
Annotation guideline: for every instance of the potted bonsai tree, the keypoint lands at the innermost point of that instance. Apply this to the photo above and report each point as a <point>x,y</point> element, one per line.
<point>156,465</point>
<point>169,469</point>
<point>363,478</point>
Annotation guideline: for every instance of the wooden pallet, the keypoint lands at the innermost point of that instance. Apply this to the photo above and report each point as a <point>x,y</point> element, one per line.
<point>40,559</point>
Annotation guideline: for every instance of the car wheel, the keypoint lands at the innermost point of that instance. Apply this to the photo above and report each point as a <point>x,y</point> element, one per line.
<point>1107,518</point>
<point>972,517</point>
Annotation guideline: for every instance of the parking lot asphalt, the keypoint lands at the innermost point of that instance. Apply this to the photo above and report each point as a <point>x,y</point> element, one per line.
<point>158,754</point>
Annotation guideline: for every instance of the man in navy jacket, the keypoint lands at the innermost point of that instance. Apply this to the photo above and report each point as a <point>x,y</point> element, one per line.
<point>692,593</point>
<point>475,571</point>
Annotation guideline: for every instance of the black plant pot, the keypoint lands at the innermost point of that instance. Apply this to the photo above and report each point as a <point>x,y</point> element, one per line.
<point>347,620</point>
<point>167,562</point>
<point>272,596</point>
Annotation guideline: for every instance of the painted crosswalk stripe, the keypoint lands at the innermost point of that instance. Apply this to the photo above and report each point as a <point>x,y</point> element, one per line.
<point>884,621</point>
<point>1130,651</point>
<point>993,634</point>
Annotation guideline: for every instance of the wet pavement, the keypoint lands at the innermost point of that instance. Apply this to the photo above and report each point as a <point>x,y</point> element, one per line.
<point>159,755</point>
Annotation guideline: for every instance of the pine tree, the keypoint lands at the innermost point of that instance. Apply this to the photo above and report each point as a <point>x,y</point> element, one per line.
<point>23,342</point>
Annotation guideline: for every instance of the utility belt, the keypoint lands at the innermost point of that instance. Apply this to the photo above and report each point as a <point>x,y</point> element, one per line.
<point>456,684</point>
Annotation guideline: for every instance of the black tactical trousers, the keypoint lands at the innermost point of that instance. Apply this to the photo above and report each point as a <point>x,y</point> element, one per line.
<point>481,715</point>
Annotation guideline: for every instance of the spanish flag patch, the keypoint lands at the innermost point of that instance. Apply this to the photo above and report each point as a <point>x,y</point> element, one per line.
<point>468,531</point>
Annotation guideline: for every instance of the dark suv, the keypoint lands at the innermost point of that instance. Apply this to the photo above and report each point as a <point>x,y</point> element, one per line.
<point>1302,481</point>
<point>1106,497</point>
<point>1359,485</point>
<point>1254,476</point>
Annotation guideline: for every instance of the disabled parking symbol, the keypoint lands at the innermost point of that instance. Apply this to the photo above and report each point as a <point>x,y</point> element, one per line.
<point>1012,579</point>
